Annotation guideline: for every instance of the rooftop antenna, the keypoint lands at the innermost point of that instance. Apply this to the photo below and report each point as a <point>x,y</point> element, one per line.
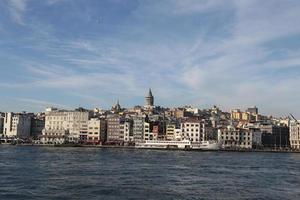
<point>294,118</point>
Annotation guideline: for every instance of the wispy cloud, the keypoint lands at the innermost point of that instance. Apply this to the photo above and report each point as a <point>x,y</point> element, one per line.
<point>41,104</point>
<point>17,9</point>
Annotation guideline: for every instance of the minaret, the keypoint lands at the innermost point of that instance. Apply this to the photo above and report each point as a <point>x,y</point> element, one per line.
<point>149,100</point>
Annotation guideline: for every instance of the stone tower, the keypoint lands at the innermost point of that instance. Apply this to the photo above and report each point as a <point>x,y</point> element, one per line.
<point>149,100</point>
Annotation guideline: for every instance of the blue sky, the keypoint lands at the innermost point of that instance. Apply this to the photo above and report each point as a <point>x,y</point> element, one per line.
<point>70,53</point>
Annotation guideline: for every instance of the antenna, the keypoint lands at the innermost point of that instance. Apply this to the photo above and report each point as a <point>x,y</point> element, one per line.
<point>294,118</point>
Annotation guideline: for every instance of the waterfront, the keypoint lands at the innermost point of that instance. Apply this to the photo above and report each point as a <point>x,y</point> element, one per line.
<point>30,172</point>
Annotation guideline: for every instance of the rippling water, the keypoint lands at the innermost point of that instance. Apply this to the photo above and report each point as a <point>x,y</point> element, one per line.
<point>86,173</point>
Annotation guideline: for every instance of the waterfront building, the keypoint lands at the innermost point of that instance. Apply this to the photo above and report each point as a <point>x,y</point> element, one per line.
<point>170,131</point>
<point>96,131</point>
<point>178,134</point>
<point>295,134</point>
<point>114,132</point>
<point>17,125</point>
<point>63,125</point>
<point>275,135</point>
<point>138,128</point>
<point>1,123</point>
<point>147,131</point>
<point>37,125</point>
<point>156,133</point>
<point>126,129</point>
<point>233,137</point>
<point>193,129</point>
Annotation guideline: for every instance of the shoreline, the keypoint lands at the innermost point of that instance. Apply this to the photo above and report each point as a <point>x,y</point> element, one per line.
<point>165,149</point>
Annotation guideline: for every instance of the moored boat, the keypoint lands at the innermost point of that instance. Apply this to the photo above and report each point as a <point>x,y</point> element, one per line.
<point>207,145</point>
<point>164,144</point>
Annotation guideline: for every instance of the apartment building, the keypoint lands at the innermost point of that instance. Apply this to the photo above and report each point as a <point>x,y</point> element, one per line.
<point>16,125</point>
<point>295,134</point>
<point>193,129</point>
<point>63,125</point>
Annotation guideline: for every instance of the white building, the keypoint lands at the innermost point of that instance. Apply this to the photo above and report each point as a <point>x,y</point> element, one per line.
<point>62,125</point>
<point>146,131</point>
<point>127,130</point>
<point>193,130</point>
<point>16,125</point>
<point>295,134</point>
<point>178,134</point>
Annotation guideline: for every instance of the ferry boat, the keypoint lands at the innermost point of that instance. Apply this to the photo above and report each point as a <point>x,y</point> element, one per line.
<point>182,144</point>
<point>164,144</point>
<point>207,145</point>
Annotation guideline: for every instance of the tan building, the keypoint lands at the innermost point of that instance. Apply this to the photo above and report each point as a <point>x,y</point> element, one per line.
<point>62,125</point>
<point>232,137</point>
<point>250,115</point>
<point>236,114</point>
<point>96,131</point>
<point>170,131</point>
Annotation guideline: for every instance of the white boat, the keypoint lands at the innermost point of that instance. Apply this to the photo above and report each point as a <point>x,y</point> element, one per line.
<point>164,144</point>
<point>207,145</point>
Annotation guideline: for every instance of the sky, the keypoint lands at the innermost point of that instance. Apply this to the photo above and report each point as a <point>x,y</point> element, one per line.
<point>90,53</point>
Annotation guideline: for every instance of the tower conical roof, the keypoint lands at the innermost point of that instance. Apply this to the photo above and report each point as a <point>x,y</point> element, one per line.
<point>150,93</point>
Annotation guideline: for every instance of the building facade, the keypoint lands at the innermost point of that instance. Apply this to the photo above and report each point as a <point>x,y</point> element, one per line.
<point>232,137</point>
<point>65,126</point>
<point>114,131</point>
<point>295,134</point>
<point>17,125</point>
<point>127,131</point>
<point>1,123</point>
<point>170,131</point>
<point>138,128</point>
<point>193,130</point>
<point>96,133</point>
<point>37,126</point>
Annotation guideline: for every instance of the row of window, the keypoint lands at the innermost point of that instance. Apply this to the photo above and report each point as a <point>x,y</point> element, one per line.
<point>236,143</point>
<point>192,130</point>
<point>192,125</point>
<point>236,138</point>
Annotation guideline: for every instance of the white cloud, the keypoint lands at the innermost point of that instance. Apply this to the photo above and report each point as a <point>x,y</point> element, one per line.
<point>40,103</point>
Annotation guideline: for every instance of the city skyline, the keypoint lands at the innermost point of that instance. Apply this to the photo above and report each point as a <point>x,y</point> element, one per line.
<point>201,53</point>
